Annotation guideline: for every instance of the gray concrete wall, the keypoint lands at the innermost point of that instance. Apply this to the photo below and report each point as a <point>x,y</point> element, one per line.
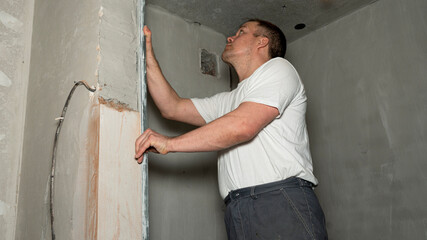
<point>15,45</point>
<point>365,77</point>
<point>183,191</point>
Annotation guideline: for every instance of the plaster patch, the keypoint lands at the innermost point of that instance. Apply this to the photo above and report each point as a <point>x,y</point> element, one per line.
<point>3,208</point>
<point>115,104</point>
<point>101,11</point>
<point>9,21</point>
<point>93,94</point>
<point>5,80</point>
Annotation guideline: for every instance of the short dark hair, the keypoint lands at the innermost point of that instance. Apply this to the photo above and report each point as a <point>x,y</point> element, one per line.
<point>277,39</point>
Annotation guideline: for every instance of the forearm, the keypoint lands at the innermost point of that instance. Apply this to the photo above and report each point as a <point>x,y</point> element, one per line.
<point>164,96</point>
<point>220,134</point>
<point>217,135</point>
<point>238,126</point>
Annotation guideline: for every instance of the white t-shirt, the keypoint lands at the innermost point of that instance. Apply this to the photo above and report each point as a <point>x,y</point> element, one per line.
<point>281,149</point>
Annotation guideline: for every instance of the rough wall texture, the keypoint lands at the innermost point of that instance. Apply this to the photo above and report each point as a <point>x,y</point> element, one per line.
<point>94,41</point>
<point>15,44</point>
<point>365,77</point>
<point>119,43</point>
<point>64,50</point>
<point>183,191</point>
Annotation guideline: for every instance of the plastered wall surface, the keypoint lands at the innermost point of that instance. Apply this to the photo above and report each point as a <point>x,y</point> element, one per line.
<point>183,192</point>
<point>118,43</point>
<point>89,41</point>
<point>15,46</point>
<point>64,50</point>
<point>119,194</point>
<point>365,77</point>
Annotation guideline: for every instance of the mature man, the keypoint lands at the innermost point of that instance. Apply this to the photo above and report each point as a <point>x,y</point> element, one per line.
<point>265,171</point>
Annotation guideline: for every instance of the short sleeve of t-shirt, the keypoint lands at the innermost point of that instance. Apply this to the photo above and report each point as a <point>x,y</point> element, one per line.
<point>208,107</point>
<point>275,84</point>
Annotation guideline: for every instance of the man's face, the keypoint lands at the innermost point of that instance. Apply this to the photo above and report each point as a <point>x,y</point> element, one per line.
<point>242,44</point>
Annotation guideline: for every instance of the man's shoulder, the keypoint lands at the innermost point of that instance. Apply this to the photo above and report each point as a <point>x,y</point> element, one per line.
<point>280,62</point>
<point>277,66</point>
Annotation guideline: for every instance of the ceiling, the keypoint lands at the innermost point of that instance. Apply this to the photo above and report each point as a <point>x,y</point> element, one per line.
<point>225,16</point>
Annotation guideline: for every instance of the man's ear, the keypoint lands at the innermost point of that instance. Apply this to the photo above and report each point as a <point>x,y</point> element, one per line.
<point>263,42</point>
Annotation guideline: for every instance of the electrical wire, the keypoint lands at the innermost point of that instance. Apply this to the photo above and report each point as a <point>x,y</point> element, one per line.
<point>55,144</point>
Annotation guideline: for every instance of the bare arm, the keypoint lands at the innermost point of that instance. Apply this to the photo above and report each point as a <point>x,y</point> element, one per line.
<point>166,99</point>
<point>238,126</point>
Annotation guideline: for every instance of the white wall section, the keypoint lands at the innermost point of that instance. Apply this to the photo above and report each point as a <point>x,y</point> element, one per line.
<point>119,192</point>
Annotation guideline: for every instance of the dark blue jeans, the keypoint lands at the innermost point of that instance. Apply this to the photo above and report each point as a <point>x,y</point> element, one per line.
<point>287,209</point>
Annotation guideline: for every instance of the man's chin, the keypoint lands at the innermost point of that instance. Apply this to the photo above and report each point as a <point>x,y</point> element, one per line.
<point>225,58</point>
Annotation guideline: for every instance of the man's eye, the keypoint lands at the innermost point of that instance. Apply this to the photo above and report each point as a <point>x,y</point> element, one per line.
<point>240,32</point>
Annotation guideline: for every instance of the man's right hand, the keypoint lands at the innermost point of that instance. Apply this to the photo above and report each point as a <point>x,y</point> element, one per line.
<point>166,99</point>
<point>147,35</point>
<point>150,58</point>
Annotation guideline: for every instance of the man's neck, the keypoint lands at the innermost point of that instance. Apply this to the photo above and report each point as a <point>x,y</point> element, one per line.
<point>247,67</point>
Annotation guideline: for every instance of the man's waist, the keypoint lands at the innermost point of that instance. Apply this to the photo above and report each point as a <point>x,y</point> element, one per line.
<point>253,191</point>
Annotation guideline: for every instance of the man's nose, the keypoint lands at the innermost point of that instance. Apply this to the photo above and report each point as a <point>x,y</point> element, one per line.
<point>230,39</point>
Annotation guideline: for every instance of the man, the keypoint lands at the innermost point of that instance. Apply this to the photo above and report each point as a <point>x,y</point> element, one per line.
<point>265,170</point>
